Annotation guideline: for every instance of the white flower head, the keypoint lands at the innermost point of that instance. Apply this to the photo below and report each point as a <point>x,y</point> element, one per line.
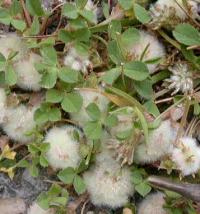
<point>181,79</point>
<point>27,76</point>
<point>159,144</point>
<point>36,209</point>
<point>90,97</point>
<point>3,104</point>
<point>18,122</point>
<point>107,183</point>
<point>152,204</point>
<point>151,46</point>
<point>64,147</point>
<point>187,156</point>
<point>11,42</point>
<point>169,13</point>
<point>77,60</point>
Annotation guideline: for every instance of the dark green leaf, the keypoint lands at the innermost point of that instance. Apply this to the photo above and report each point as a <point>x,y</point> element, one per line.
<point>93,111</point>
<point>35,27</point>
<point>68,75</point>
<point>136,70</point>
<point>49,55</point>
<point>143,188</point>
<point>88,15</point>
<point>141,14</point>
<point>110,76</point>
<point>18,24</point>
<point>126,4</point>
<point>72,102</point>
<point>67,175</point>
<point>54,96</point>
<point>79,185</point>
<point>49,78</point>
<point>93,130</point>
<point>130,37</point>
<point>64,36</point>
<point>43,161</point>
<point>41,116</point>
<point>111,121</point>
<point>144,88</point>
<point>70,10</point>
<point>34,7</point>
<point>187,34</point>
<point>54,114</point>
<point>114,27</point>
<point>10,76</point>
<point>114,52</point>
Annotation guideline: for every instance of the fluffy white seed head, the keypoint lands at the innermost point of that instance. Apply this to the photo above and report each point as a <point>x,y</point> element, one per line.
<point>169,13</point>
<point>36,209</point>
<point>90,97</point>
<point>3,105</point>
<point>187,156</point>
<point>18,122</point>
<point>11,42</point>
<point>77,60</point>
<point>152,204</point>
<point>159,144</point>
<point>107,183</point>
<point>181,79</point>
<point>27,76</point>
<point>64,147</point>
<point>154,51</point>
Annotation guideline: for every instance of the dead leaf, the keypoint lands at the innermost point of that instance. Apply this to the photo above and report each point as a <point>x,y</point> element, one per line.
<point>7,153</point>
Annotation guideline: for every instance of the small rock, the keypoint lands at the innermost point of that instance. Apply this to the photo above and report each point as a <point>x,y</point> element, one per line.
<point>12,206</point>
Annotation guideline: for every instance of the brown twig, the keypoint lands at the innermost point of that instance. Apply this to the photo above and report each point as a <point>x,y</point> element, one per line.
<point>26,14</point>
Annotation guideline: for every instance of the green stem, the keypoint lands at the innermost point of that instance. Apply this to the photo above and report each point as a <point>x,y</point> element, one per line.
<point>170,40</point>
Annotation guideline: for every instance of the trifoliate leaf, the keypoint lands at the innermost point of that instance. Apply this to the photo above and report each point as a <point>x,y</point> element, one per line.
<point>67,175</point>
<point>72,102</point>
<point>68,75</point>
<point>141,14</point>
<point>136,70</point>
<point>187,34</point>
<point>79,185</point>
<point>93,130</point>
<point>70,11</point>
<point>34,7</point>
<point>93,111</point>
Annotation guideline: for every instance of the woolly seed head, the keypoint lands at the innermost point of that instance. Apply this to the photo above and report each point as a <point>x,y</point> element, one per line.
<point>64,147</point>
<point>152,204</point>
<point>28,77</point>
<point>90,97</point>
<point>36,209</point>
<point>77,60</point>
<point>169,13</point>
<point>187,156</point>
<point>160,143</point>
<point>155,49</point>
<point>107,183</point>
<point>18,122</point>
<point>181,79</point>
<point>11,42</point>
